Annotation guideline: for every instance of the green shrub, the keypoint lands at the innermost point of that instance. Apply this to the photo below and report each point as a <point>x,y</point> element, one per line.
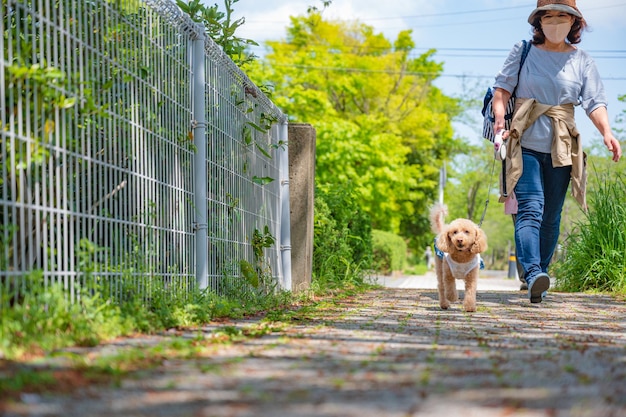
<point>595,253</point>
<point>389,251</point>
<point>342,245</point>
<point>415,264</point>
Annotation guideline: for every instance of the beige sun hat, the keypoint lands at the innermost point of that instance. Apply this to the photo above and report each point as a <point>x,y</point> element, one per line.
<point>567,6</point>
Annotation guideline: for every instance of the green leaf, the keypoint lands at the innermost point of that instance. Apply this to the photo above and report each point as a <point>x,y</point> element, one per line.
<point>263,151</point>
<point>248,272</point>
<point>247,136</point>
<point>257,127</point>
<point>262,180</point>
<point>66,103</point>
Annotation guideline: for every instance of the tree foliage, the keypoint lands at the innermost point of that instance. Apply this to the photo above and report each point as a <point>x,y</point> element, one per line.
<point>221,27</point>
<point>381,124</point>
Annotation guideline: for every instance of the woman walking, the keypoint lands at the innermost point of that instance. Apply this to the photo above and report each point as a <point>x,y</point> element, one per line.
<point>544,152</point>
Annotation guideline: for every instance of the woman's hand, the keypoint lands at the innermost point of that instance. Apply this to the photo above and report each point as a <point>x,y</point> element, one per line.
<point>612,144</point>
<point>600,118</point>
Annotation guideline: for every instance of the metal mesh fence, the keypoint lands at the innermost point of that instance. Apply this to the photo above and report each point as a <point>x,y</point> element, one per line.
<point>99,177</point>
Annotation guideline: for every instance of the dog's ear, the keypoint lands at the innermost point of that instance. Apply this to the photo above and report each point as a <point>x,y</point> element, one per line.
<point>443,241</point>
<point>480,243</point>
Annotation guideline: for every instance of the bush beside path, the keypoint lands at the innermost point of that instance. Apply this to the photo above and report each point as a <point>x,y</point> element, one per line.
<point>386,352</point>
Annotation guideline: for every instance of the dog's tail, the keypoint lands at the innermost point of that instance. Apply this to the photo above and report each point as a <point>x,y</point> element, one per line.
<point>438,213</point>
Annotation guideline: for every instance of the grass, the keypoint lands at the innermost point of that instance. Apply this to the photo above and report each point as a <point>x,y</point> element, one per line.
<point>44,319</point>
<point>417,269</point>
<point>595,253</point>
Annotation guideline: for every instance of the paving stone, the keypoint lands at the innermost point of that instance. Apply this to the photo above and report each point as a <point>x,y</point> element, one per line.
<point>390,352</point>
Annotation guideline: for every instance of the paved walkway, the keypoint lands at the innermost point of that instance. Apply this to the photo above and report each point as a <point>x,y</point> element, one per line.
<point>391,352</point>
<point>489,281</point>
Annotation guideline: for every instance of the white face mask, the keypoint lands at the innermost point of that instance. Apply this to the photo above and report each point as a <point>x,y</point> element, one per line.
<point>556,32</point>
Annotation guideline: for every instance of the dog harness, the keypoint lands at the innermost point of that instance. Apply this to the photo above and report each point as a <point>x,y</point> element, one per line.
<point>459,270</point>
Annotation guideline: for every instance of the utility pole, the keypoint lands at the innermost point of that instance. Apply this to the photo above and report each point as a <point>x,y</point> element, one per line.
<point>442,182</point>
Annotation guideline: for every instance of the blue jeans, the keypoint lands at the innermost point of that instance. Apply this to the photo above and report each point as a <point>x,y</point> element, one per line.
<point>540,194</point>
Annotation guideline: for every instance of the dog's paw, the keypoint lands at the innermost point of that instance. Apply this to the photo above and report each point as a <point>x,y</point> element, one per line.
<point>469,306</point>
<point>444,305</point>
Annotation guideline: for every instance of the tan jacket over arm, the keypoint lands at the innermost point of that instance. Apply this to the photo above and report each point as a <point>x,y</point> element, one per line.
<point>566,144</point>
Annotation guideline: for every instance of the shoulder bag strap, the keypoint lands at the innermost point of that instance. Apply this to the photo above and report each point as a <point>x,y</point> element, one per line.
<point>525,49</point>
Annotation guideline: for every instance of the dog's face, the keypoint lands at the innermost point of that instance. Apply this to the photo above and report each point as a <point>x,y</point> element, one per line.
<point>463,235</point>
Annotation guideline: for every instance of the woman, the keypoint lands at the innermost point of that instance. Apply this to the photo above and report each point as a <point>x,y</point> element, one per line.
<point>543,138</point>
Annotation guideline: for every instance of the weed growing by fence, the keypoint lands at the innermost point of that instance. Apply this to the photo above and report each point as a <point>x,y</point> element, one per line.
<point>44,318</point>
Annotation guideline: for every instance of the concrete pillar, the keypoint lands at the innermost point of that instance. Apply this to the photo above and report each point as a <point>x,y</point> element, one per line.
<point>302,139</point>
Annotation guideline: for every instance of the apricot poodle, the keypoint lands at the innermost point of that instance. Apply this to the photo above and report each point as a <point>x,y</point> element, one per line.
<point>458,246</point>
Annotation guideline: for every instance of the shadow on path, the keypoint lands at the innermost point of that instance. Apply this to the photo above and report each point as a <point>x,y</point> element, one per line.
<point>392,352</point>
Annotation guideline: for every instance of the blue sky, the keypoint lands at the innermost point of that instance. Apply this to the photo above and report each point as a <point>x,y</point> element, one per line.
<point>472,38</point>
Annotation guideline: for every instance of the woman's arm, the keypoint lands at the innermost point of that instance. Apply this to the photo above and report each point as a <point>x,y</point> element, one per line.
<point>500,98</point>
<point>600,118</point>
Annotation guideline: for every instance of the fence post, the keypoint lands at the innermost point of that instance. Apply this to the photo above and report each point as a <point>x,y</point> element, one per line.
<point>198,67</point>
<point>285,215</point>
<point>302,202</point>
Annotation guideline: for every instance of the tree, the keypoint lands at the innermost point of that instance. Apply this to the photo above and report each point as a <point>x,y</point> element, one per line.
<point>381,124</point>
